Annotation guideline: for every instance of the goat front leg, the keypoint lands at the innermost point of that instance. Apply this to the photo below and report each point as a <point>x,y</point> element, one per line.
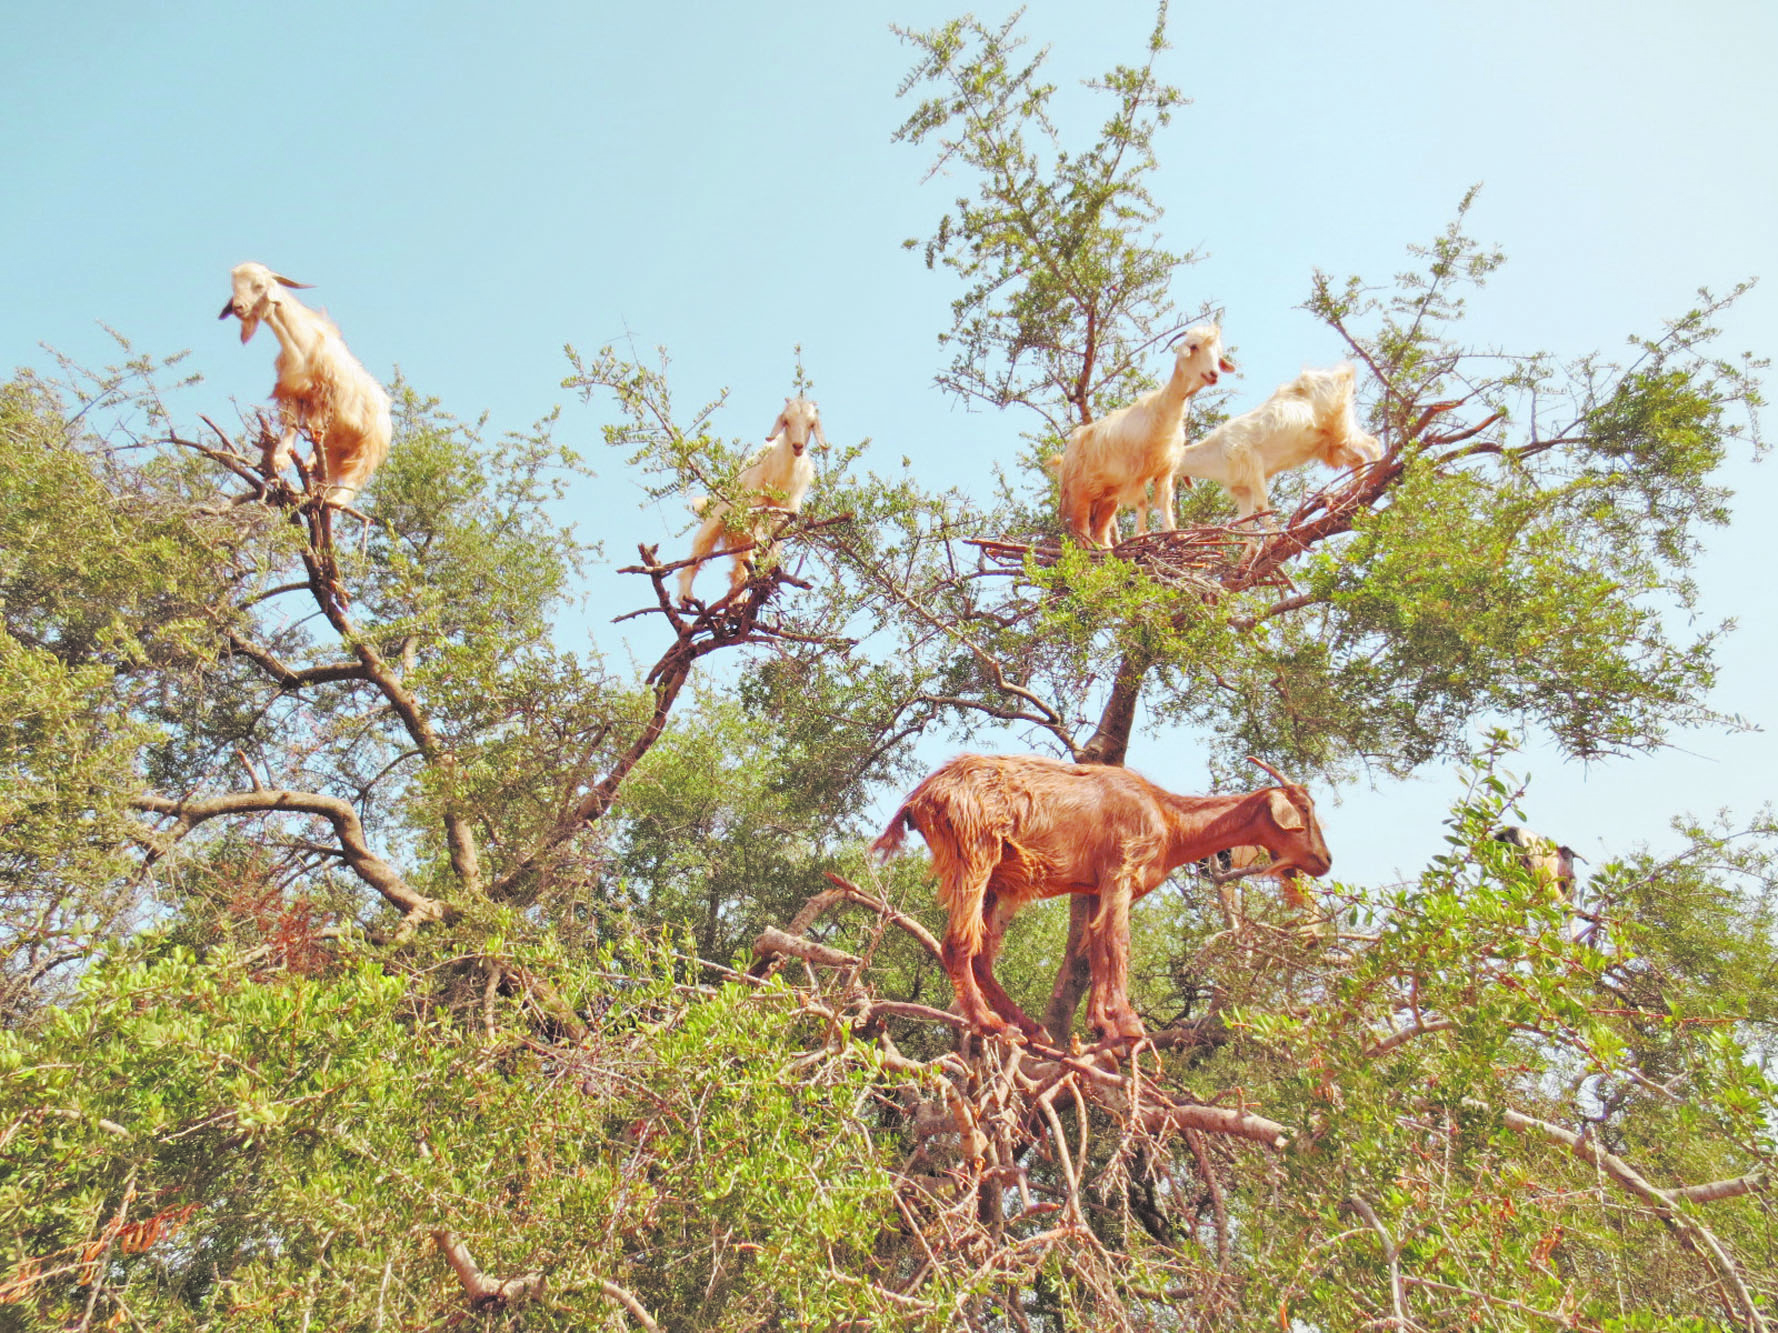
<point>739,572</point>
<point>1075,975</point>
<point>278,457</point>
<point>701,546</point>
<point>1163,500</point>
<point>1108,946</point>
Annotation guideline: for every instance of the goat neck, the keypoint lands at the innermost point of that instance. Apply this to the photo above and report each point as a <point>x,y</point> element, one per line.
<point>299,330</point>
<point>1201,826</point>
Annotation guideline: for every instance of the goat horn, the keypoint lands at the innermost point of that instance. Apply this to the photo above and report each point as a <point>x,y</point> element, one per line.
<point>291,282</point>
<point>1282,780</point>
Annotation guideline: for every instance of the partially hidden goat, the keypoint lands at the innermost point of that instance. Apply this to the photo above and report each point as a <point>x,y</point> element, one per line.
<point>322,390</point>
<point>775,482</point>
<point>1551,864</point>
<point>1005,831</point>
<point>1313,418</point>
<point>1110,463</point>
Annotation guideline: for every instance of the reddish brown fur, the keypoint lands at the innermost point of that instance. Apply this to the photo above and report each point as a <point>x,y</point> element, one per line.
<point>1005,831</point>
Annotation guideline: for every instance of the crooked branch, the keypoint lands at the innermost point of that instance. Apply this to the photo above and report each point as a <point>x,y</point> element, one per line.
<point>415,906</point>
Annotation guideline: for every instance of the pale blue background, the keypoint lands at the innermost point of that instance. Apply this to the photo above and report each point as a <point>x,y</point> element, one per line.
<point>472,186</point>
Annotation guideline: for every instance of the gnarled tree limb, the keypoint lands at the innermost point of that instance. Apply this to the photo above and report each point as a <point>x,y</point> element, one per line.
<point>366,864</point>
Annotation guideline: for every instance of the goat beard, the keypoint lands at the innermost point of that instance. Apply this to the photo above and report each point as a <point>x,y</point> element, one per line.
<point>249,326</point>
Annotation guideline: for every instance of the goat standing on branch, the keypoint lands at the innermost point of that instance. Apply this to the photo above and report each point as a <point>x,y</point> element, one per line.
<point>1008,830</point>
<point>1111,462</point>
<point>321,391</point>
<point>1310,419</point>
<point>1551,865</point>
<point>774,482</point>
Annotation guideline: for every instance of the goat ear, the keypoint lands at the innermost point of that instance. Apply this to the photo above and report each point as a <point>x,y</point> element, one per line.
<point>778,428</point>
<point>291,282</point>
<point>228,308</point>
<point>820,437</point>
<point>1285,813</point>
<point>1225,365</point>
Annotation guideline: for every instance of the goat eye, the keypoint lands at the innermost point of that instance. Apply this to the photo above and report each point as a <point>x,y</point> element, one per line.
<point>1192,348</point>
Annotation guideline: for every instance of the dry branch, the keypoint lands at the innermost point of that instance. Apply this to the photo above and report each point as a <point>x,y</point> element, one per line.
<point>735,620</point>
<point>774,942</point>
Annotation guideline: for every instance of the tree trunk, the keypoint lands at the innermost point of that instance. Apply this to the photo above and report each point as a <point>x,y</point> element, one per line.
<point>1111,742</point>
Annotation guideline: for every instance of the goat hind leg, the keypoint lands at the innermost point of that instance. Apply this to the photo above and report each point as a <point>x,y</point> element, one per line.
<point>701,546</point>
<point>982,965</point>
<point>960,967</point>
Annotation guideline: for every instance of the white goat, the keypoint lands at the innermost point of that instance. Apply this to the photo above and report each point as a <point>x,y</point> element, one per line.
<point>1311,418</point>
<point>1551,864</point>
<point>774,482</point>
<point>1110,462</point>
<point>321,391</point>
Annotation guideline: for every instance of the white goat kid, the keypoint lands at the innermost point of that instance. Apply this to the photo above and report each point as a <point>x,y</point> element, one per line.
<point>1311,418</point>
<point>1110,463</point>
<point>322,390</point>
<point>774,483</point>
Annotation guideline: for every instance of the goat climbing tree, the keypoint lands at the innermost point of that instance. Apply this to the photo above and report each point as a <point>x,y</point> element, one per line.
<point>388,963</point>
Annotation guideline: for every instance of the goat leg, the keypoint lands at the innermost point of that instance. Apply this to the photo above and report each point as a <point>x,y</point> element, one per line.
<point>1003,1005</point>
<point>1074,976</point>
<point>960,968</point>
<point>1108,943</point>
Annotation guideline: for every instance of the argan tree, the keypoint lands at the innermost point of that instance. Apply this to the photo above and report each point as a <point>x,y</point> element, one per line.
<point>371,959</point>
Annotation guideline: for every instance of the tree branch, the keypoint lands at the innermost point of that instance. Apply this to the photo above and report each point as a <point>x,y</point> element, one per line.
<point>630,1303</point>
<point>486,1293</point>
<point>1391,1252</point>
<point>416,907</point>
<point>1693,1233</point>
<point>285,677</point>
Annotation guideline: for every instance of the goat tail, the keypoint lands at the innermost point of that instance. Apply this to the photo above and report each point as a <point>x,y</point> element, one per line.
<point>699,503</point>
<point>889,843</point>
<point>962,884</point>
<point>1053,465</point>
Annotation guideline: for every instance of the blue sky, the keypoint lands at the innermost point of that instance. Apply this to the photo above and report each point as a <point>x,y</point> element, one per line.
<point>471,187</point>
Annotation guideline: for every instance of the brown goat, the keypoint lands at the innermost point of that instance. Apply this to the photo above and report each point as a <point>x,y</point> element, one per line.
<point>1008,830</point>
